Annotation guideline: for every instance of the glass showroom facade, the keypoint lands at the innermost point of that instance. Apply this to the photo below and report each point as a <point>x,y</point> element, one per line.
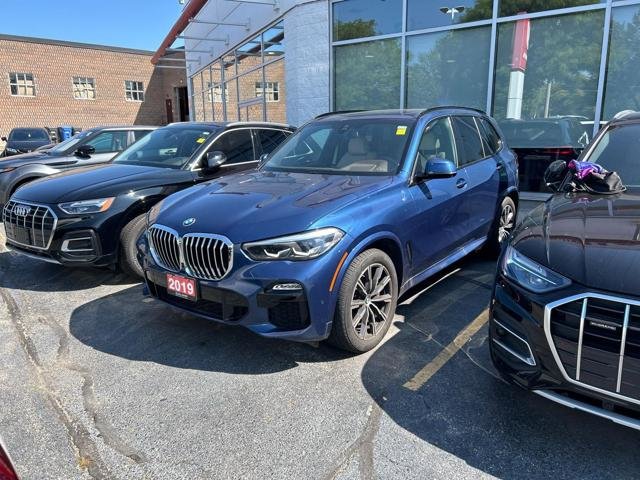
<point>245,84</point>
<point>516,59</point>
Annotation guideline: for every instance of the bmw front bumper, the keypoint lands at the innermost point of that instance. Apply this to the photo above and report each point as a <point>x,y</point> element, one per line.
<point>249,296</point>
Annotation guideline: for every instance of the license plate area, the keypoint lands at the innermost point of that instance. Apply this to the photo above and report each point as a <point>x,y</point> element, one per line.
<point>21,235</point>
<point>182,287</point>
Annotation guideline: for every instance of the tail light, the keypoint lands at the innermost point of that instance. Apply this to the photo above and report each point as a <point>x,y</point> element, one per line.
<point>7,471</point>
<point>561,151</point>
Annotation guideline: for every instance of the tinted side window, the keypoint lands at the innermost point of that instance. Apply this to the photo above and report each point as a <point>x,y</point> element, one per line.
<point>270,139</point>
<point>437,142</point>
<point>468,140</point>
<point>490,137</point>
<point>236,145</point>
<point>106,142</point>
<point>138,134</point>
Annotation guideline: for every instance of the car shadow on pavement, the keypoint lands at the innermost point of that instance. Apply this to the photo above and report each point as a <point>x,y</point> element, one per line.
<point>466,409</point>
<point>18,272</point>
<point>138,328</point>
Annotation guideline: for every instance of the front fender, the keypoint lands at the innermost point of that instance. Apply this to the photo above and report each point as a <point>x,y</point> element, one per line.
<point>21,175</point>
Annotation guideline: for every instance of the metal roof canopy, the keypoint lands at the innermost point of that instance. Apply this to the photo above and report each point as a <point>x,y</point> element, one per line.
<point>219,19</point>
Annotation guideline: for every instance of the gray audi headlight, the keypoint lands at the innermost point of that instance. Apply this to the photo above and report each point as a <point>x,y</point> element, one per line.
<point>300,246</point>
<point>87,206</point>
<point>531,275</point>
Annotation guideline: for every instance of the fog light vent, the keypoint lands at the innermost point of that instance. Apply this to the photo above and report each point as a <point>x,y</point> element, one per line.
<point>513,343</point>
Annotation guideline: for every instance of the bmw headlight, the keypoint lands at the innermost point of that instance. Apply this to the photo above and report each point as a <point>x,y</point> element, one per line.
<point>531,275</point>
<point>87,206</point>
<point>300,246</point>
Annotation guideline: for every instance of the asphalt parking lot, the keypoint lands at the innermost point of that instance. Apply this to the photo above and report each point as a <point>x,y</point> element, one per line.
<point>99,383</point>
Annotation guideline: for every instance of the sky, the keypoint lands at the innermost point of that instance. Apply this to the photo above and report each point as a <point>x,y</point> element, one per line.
<point>140,24</point>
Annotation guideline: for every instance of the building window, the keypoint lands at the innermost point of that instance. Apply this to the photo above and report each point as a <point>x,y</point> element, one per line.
<point>271,91</point>
<point>214,93</point>
<point>366,18</point>
<point>84,88</point>
<point>22,84</point>
<point>134,91</point>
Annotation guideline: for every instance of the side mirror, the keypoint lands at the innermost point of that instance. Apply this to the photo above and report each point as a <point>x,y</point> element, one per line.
<point>555,175</point>
<point>4,139</point>
<point>264,157</point>
<point>215,159</point>
<point>85,151</point>
<point>439,168</point>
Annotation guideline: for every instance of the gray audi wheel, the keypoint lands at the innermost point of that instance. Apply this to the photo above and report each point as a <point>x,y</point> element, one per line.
<point>366,302</point>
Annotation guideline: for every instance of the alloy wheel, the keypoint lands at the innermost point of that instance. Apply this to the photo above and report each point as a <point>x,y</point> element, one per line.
<point>507,222</point>
<point>371,301</point>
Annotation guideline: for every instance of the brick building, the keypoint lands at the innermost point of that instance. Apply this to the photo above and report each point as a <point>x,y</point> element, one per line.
<point>48,83</point>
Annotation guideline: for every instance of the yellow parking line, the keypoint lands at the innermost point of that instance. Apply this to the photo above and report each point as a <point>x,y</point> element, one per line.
<point>431,368</point>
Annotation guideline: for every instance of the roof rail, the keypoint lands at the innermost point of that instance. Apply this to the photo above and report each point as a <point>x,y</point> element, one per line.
<point>326,114</point>
<point>623,114</point>
<point>445,107</point>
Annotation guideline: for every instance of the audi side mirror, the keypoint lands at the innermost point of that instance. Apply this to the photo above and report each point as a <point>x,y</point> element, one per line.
<point>215,159</point>
<point>85,151</point>
<point>555,175</point>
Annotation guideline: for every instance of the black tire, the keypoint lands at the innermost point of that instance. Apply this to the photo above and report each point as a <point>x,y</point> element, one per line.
<point>503,225</point>
<point>130,234</point>
<point>343,332</point>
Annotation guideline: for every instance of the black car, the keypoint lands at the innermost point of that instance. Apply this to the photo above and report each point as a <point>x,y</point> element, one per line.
<point>539,142</point>
<point>93,216</point>
<point>24,140</point>
<point>565,314</point>
<point>93,146</point>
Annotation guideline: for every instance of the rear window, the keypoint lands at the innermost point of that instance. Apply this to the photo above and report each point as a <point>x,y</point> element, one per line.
<point>28,134</point>
<point>534,134</point>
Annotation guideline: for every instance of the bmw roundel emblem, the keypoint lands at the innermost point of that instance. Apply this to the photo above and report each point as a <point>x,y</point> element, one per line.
<point>188,222</point>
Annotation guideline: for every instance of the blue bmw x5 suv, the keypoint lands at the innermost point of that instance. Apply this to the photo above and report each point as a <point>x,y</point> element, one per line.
<point>350,212</point>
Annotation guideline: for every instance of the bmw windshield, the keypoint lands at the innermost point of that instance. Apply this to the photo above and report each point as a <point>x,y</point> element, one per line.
<point>345,147</point>
<point>617,150</point>
<point>169,147</point>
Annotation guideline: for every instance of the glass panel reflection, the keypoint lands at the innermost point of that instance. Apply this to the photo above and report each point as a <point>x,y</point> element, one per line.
<point>366,18</point>
<point>367,75</point>
<point>428,14</point>
<point>448,68</point>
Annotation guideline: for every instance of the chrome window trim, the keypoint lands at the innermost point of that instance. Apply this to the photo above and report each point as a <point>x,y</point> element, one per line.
<point>547,331</point>
<point>37,205</point>
<point>529,361</point>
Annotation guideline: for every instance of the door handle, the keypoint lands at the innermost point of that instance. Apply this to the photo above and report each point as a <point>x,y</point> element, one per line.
<point>461,183</point>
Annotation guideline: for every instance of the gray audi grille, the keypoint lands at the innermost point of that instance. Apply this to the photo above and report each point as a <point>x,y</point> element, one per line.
<point>29,225</point>
<point>596,341</point>
<point>201,255</point>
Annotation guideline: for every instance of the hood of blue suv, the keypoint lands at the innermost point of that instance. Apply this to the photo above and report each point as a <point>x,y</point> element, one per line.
<point>258,205</point>
<point>98,182</point>
<point>590,239</point>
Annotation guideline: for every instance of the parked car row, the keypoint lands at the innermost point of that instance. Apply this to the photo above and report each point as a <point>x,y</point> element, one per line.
<point>313,234</point>
<point>24,140</point>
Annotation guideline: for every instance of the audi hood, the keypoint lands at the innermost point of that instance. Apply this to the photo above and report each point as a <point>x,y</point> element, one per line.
<point>100,181</point>
<point>594,240</point>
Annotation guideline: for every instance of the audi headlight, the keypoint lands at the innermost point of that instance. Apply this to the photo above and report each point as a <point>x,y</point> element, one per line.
<point>300,246</point>
<point>87,206</point>
<point>531,275</point>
